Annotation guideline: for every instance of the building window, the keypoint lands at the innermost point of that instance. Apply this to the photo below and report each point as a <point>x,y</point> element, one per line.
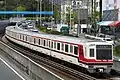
<point>91,52</point>
<point>75,50</point>
<point>66,47</point>
<point>71,49</point>
<point>58,46</point>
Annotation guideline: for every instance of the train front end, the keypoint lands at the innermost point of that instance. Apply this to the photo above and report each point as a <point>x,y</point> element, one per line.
<point>97,57</point>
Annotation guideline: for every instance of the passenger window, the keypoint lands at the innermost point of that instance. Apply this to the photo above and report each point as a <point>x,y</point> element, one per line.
<point>20,36</point>
<point>66,48</point>
<point>44,43</point>
<point>75,50</point>
<point>49,43</point>
<point>58,46</point>
<point>34,40</point>
<point>91,52</point>
<point>39,41</point>
<point>23,37</point>
<point>54,45</point>
<point>62,47</point>
<point>26,38</point>
<point>71,49</point>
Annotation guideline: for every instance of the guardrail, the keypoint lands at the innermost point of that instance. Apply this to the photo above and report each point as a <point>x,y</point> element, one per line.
<point>34,70</point>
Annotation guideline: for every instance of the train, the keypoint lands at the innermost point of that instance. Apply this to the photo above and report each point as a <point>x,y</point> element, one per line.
<point>92,55</point>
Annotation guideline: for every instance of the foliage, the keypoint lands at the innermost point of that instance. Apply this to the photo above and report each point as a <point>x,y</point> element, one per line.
<point>117,51</point>
<point>73,16</point>
<point>56,13</point>
<point>21,8</point>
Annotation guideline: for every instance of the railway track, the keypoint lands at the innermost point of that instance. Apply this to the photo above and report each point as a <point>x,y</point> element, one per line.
<point>61,69</point>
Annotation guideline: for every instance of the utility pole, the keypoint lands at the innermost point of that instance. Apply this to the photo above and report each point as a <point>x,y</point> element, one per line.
<point>52,17</point>
<point>100,17</point>
<point>37,16</point>
<point>70,15</point>
<point>40,11</point>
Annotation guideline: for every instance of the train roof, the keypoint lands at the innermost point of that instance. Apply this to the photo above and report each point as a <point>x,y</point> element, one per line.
<point>69,39</point>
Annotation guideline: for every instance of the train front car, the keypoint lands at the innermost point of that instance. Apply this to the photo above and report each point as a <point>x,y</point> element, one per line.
<point>96,56</point>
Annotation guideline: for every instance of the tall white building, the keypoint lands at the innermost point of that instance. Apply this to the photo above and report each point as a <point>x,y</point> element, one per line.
<point>111,10</point>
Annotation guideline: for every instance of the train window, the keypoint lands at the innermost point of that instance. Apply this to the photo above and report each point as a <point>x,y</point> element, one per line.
<point>66,47</point>
<point>58,46</point>
<point>23,37</point>
<point>44,43</point>
<point>20,36</point>
<point>62,46</point>
<point>91,52</point>
<point>49,43</point>
<point>75,50</point>
<point>71,49</point>
<point>54,45</point>
<point>34,40</point>
<point>39,41</point>
<point>26,38</point>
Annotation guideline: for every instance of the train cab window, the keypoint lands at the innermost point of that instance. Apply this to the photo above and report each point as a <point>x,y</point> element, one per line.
<point>62,46</point>
<point>44,43</point>
<point>51,44</point>
<point>75,50</point>
<point>58,46</point>
<point>71,49</point>
<point>66,47</point>
<point>39,41</point>
<point>54,45</point>
<point>91,52</point>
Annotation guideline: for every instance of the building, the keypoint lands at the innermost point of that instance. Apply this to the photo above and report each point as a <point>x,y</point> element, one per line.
<point>111,10</point>
<point>86,5</point>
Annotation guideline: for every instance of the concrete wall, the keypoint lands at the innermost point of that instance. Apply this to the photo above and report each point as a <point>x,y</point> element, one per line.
<point>116,65</point>
<point>34,70</point>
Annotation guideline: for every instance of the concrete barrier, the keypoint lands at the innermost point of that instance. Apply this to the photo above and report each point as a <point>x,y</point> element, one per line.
<point>116,63</point>
<point>34,70</point>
